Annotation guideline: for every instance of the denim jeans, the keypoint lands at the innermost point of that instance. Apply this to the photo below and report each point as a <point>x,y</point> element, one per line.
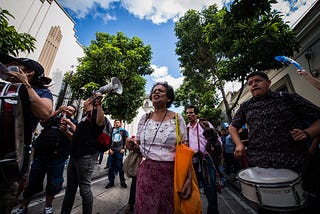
<point>115,165</point>
<point>100,157</point>
<point>53,168</point>
<point>209,188</point>
<point>79,173</point>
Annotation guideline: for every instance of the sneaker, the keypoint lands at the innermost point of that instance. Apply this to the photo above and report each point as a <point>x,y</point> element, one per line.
<point>201,190</point>
<point>48,210</point>
<point>109,185</point>
<point>123,184</point>
<point>22,210</point>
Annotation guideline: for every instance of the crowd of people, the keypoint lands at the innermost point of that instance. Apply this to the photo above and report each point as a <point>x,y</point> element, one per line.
<point>270,130</point>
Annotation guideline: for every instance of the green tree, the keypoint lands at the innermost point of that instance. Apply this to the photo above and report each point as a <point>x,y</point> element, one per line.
<point>12,42</point>
<point>187,94</point>
<point>225,45</point>
<point>114,56</point>
<point>198,62</point>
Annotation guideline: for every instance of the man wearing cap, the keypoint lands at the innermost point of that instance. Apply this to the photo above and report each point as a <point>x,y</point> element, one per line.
<point>31,75</point>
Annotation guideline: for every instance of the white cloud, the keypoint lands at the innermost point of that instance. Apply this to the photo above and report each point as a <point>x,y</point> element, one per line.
<point>161,74</point>
<point>84,7</point>
<point>160,11</point>
<point>105,17</point>
<point>293,12</point>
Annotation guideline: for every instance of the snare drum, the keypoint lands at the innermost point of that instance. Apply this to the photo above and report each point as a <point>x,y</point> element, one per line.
<point>15,131</point>
<point>275,189</point>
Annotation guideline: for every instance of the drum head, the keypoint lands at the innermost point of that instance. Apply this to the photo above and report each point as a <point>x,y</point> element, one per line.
<point>267,175</point>
<point>15,130</point>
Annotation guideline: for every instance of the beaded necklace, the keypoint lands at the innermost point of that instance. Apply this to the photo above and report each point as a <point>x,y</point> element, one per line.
<point>154,137</point>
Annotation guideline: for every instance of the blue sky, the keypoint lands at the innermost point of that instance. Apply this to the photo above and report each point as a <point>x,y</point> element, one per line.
<point>153,22</point>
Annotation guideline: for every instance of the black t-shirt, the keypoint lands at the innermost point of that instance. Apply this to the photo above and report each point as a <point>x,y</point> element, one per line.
<point>84,140</point>
<point>51,142</point>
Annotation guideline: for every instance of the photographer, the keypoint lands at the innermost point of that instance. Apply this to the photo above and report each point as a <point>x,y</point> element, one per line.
<point>83,155</point>
<point>51,150</point>
<point>31,74</point>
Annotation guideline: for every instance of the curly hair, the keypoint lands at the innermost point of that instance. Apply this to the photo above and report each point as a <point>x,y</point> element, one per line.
<point>169,92</point>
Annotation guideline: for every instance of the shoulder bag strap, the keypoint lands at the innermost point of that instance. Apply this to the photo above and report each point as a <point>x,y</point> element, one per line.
<point>178,136</point>
<point>198,137</point>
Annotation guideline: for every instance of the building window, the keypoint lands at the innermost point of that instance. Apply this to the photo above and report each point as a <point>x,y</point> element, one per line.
<point>284,84</point>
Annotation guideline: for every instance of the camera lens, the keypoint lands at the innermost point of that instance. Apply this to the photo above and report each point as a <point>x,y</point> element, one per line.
<point>13,68</point>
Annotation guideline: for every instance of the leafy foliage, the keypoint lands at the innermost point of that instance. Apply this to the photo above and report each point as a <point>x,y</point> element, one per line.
<point>114,56</point>
<point>255,34</point>
<point>12,42</point>
<point>215,46</point>
<point>198,64</point>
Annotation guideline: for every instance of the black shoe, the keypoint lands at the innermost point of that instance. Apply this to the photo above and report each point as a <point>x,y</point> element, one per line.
<point>129,209</point>
<point>106,167</point>
<point>22,210</point>
<point>109,185</point>
<point>123,184</point>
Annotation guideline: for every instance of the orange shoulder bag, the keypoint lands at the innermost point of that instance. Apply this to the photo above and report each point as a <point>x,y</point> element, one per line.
<point>183,161</point>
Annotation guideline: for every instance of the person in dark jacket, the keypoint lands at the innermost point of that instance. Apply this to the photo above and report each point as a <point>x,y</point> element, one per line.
<point>51,150</point>
<point>31,75</point>
<point>83,156</point>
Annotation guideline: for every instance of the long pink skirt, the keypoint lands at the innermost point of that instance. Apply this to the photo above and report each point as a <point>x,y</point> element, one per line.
<point>154,190</point>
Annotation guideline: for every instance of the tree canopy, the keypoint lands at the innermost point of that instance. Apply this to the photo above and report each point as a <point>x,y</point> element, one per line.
<point>12,42</point>
<point>215,46</point>
<point>119,56</point>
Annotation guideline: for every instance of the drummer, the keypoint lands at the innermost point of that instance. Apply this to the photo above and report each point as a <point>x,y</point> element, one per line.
<point>278,133</point>
<point>31,75</point>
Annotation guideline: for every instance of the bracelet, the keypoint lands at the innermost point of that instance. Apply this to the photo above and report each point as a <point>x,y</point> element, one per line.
<point>307,134</point>
<point>27,85</point>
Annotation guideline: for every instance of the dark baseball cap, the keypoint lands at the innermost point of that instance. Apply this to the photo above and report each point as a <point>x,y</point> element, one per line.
<point>6,59</point>
<point>38,69</point>
<point>29,63</point>
<point>33,65</point>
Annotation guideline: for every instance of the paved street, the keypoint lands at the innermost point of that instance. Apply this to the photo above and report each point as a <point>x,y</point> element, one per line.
<point>114,200</point>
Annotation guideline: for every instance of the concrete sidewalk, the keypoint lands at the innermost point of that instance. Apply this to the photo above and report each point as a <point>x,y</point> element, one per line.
<point>114,200</point>
<point>98,172</point>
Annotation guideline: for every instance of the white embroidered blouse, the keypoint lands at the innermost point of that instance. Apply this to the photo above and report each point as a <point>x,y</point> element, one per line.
<point>158,140</point>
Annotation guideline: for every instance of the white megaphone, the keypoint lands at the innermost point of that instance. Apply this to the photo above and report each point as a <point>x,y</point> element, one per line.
<point>113,87</point>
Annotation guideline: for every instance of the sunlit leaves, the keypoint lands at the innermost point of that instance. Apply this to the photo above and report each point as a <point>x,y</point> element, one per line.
<point>119,56</point>
<point>12,42</point>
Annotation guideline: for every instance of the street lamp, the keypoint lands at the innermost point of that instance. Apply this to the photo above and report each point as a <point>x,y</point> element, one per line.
<point>308,56</point>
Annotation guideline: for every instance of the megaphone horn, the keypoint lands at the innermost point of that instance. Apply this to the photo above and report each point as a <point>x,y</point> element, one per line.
<point>113,87</point>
